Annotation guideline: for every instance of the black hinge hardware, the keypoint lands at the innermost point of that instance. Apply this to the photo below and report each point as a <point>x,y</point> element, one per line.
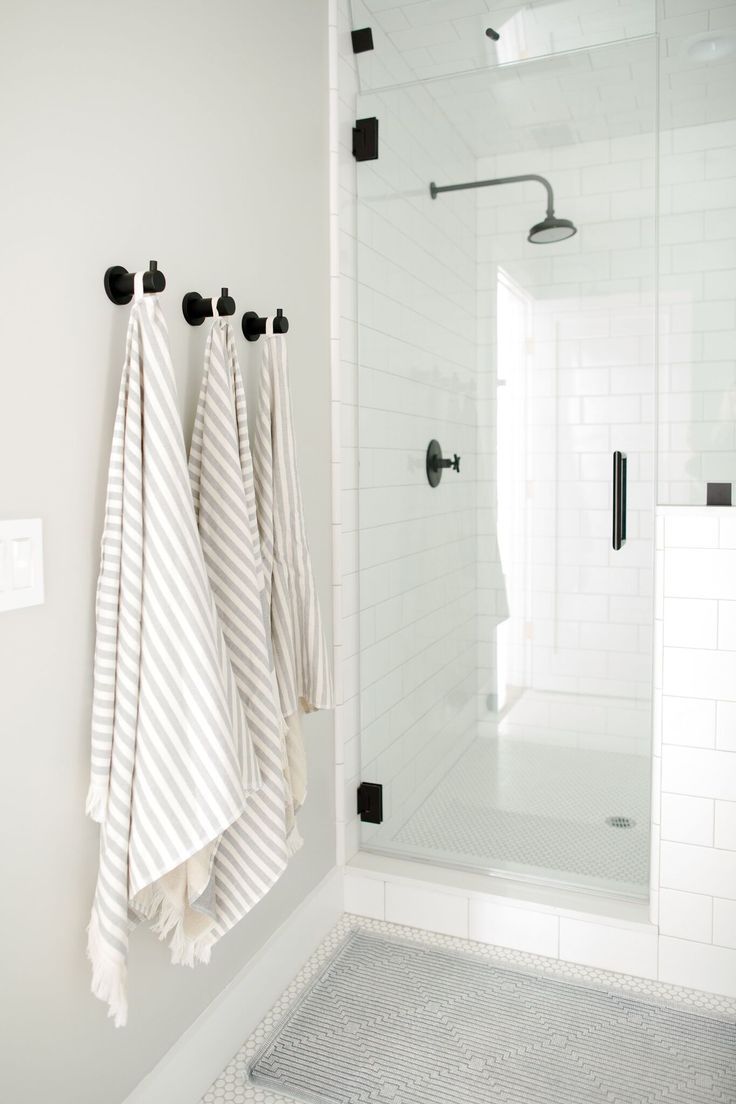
<point>362,40</point>
<point>370,802</point>
<point>718,494</point>
<point>365,139</point>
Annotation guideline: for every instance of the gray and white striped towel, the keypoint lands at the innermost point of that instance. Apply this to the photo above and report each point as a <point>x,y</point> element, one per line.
<point>301,657</point>
<point>221,473</point>
<point>173,763</point>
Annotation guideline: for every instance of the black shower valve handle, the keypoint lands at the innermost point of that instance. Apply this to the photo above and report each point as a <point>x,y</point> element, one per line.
<point>445,462</point>
<point>435,462</point>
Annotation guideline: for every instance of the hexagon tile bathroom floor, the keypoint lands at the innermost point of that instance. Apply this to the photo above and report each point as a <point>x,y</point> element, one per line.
<point>385,1013</point>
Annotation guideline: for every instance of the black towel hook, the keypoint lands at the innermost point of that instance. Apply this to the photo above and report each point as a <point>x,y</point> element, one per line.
<point>254,326</point>
<point>119,282</point>
<point>196,309</point>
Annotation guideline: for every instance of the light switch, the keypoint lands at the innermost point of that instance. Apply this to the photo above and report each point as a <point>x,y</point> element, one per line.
<point>21,563</point>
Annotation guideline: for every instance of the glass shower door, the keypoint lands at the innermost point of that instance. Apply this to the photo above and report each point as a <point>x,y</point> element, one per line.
<point>506,646</point>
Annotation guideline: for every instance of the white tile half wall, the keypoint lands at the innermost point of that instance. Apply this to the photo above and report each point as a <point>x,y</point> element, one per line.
<point>690,938</point>
<point>694,765</point>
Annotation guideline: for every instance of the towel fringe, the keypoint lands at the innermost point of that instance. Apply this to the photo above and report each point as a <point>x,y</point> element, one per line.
<point>109,978</point>
<point>95,806</point>
<point>185,950</point>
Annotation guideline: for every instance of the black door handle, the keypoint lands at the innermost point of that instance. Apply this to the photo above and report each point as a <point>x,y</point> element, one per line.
<point>619,499</point>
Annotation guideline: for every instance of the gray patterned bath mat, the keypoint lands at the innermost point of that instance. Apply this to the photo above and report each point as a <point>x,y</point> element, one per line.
<point>394,1022</point>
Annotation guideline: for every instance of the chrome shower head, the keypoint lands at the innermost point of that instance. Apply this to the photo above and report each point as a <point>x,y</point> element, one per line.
<point>552,229</point>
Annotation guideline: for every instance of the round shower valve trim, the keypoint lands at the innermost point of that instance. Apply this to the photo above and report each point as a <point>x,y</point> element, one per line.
<point>436,462</point>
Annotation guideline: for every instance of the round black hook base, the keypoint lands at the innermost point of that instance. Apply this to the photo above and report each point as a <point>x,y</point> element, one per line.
<point>113,286</point>
<point>253,325</point>
<point>196,308</point>
<point>191,306</point>
<point>119,283</point>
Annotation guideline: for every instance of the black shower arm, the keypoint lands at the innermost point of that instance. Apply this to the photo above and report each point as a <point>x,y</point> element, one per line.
<point>435,189</point>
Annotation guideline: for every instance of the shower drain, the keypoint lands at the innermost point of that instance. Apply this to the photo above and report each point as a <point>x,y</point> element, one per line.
<point>620,822</point>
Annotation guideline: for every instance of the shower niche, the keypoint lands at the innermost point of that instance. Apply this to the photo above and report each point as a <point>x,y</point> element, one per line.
<point>506,645</point>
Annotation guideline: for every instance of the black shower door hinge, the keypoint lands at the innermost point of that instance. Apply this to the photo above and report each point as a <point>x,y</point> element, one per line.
<point>370,802</point>
<point>365,139</point>
<point>362,40</point>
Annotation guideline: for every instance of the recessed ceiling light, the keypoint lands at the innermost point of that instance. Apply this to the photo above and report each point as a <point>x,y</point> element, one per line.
<point>711,47</point>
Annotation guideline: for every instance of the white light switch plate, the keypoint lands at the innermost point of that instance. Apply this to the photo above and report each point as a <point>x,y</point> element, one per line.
<point>21,563</point>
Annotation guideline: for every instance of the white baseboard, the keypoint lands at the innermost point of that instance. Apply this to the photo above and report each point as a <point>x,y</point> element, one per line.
<point>199,1056</point>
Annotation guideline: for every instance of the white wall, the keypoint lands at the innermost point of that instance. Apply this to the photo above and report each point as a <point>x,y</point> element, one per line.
<point>694,769</point>
<point>195,134</point>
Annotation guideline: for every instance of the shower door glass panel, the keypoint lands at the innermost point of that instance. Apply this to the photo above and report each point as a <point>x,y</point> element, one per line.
<point>416,40</point>
<point>697,259</point>
<point>506,647</point>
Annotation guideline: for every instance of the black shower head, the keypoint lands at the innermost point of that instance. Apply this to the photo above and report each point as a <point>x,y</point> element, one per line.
<point>552,229</point>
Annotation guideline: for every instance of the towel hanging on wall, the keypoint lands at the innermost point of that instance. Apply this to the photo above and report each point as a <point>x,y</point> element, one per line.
<point>221,472</point>
<point>172,759</point>
<point>300,653</point>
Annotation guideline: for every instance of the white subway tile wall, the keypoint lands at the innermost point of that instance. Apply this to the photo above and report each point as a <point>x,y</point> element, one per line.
<point>695,764</point>
<point>567,363</point>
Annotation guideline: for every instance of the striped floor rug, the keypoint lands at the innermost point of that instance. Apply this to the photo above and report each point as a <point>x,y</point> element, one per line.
<point>394,1022</point>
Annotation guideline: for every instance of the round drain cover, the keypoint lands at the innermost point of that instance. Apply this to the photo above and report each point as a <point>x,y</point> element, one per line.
<point>620,822</point>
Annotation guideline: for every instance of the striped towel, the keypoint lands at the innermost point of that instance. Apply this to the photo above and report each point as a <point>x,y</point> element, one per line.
<point>172,759</point>
<point>221,472</point>
<point>300,653</point>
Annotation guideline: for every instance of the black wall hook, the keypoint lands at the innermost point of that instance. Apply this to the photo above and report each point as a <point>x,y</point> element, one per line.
<point>253,326</point>
<point>119,282</point>
<point>196,309</point>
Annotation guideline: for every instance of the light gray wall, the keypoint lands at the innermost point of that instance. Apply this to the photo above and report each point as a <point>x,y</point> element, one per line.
<point>195,133</point>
